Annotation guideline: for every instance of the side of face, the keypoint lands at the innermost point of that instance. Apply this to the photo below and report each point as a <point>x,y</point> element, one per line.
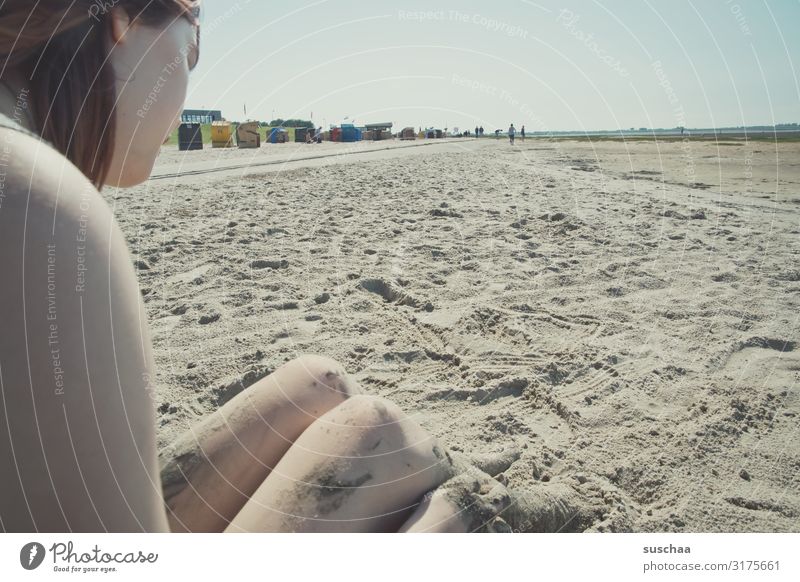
<point>151,67</point>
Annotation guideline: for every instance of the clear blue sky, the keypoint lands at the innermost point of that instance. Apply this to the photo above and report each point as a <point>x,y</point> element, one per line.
<point>571,65</point>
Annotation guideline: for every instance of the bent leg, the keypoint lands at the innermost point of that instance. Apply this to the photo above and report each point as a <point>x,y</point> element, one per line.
<point>362,467</point>
<point>209,473</point>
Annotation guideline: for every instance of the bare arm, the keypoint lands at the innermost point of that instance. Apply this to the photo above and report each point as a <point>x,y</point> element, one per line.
<point>77,421</point>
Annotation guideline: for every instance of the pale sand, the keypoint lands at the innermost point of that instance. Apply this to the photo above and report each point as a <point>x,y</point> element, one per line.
<point>628,341</point>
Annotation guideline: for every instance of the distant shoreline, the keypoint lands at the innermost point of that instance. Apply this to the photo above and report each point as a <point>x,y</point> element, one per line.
<point>699,134</point>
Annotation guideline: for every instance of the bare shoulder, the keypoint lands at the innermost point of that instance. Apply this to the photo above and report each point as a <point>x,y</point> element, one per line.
<point>36,179</point>
<point>49,210</point>
<point>52,215</point>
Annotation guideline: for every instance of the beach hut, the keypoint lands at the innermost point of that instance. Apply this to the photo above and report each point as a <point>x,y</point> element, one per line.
<point>278,135</point>
<point>350,132</point>
<point>380,130</point>
<point>221,134</point>
<point>247,135</point>
<point>301,134</point>
<point>268,131</point>
<point>190,137</point>
<point>408,133</point>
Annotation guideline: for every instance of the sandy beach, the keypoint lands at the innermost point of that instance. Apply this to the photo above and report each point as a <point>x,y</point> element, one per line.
<point>613,324</point>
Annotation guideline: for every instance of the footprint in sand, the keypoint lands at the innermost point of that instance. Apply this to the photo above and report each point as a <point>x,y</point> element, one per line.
<point>392,295</point>
<point>209,318</point>
<point>269,264</point>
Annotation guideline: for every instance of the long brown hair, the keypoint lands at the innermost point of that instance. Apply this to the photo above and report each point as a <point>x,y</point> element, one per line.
<point>62,47</point>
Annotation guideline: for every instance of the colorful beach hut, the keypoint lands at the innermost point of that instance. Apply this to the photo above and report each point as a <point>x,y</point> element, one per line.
<point>350,132</point>
<point>221,134</point>
<point>278,135</point>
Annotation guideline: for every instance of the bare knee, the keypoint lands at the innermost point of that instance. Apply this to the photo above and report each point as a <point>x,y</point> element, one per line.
<point>326,375</point>
<point>370,412</point>
<point>378,428</point>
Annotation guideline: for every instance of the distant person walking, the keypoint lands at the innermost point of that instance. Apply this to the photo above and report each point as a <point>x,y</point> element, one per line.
<point>522,132</point>
<point>480,130</point>
<point>497,134</point>
<point>318,135</point>
<point>476,131</point>
<point>511,133</point>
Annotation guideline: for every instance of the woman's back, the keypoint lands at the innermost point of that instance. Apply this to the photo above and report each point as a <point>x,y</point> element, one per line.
<point>76,441</point>
<point>77,418</point>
